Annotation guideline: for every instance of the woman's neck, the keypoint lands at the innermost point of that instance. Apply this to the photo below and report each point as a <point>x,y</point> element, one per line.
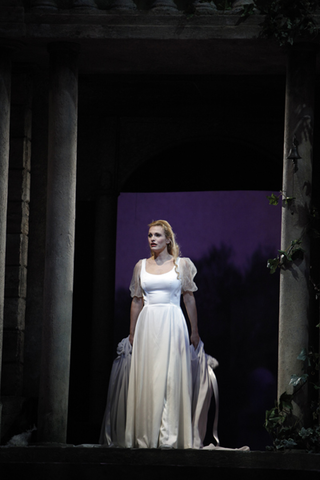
<point>162,257</point>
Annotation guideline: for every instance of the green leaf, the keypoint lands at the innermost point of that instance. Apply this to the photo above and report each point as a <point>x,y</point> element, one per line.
<point>296,379</point>
<point>296,242</point>
<point>273,199</point>
<point>303,355</point>
<point>306,432</point>
<point>288,199</point>
<point>273,263</point>
<point>285,401</point>
<point>286,443</point>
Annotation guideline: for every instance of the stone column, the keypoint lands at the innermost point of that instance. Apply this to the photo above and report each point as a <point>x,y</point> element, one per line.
<point>5,92</point>
<point>294,321</point>
<point>59,261</point>
<point>16,248</point>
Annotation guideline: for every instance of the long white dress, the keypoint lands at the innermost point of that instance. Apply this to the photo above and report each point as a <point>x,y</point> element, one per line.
<point>160,384</point>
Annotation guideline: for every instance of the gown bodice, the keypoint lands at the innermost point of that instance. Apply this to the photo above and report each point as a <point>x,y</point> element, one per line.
<point>160,289</point>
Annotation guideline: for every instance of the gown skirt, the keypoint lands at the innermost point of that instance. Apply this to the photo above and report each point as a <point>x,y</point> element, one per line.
<point>160,384</point>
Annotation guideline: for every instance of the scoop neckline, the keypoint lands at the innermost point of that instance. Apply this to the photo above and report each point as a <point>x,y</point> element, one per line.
<point>156,274</point>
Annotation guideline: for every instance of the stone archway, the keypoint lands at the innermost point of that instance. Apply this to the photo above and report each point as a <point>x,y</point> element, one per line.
<point>244,151</point>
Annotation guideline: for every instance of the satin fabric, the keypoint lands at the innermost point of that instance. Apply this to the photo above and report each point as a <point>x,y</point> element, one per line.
<point>159,393</point>
<point>166,402</point>
<point>114,420</point>
<point>204,385</point>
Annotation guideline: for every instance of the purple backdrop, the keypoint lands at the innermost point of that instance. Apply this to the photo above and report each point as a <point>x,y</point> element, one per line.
<point>243,220</point>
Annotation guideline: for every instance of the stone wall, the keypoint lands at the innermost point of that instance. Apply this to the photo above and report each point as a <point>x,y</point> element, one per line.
<point>17,247</point>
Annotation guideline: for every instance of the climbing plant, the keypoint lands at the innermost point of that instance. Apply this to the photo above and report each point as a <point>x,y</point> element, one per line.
<point>285,20</point>
<point>294,250</point>
<point>284,428</point>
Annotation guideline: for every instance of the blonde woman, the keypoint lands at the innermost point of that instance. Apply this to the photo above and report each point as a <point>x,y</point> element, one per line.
<point>160,383</point>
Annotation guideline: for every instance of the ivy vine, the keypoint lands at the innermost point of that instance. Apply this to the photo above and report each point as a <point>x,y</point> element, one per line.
<point>294,250</point>
<point>285,20</point>
<point>284,428</point>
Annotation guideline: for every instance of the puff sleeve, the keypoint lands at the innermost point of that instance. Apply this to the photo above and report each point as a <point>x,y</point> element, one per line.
<point>135,285</point>
<point>187,271</point>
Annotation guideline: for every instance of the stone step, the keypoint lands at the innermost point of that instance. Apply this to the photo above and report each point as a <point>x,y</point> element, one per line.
<point>69,462</point>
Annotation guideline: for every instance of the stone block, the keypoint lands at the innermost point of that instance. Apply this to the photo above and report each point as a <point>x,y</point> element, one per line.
<point>18,217</point>
<point>17,249</point>
<point>16,281</point>
<point>14,313</point>
<point>13,343</point>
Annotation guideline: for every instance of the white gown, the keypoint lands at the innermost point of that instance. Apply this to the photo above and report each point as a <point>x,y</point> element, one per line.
<point>160,384</point>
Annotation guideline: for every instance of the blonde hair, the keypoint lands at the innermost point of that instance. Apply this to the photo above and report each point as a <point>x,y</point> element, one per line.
<point>173,247</point>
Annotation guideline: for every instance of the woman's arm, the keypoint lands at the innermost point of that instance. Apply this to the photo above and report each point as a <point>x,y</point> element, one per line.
<point>136,307</point>
<point>190,303</point>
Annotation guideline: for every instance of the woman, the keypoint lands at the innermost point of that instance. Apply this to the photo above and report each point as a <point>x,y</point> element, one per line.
<point>159,392</point>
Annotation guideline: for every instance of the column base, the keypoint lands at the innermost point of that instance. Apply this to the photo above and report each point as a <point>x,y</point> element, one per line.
<point>205,8</point>
<point>123,6</point>
<point>163,6</point>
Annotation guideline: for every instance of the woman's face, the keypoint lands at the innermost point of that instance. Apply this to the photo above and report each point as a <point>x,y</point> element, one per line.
<point>157,239</point>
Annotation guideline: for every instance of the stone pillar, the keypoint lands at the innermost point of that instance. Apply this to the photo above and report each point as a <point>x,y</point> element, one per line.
<point>37,233</point>
<point>59,262</point>
<point>16,248</point>
<point>5,92</point>
<point>294,321</point>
